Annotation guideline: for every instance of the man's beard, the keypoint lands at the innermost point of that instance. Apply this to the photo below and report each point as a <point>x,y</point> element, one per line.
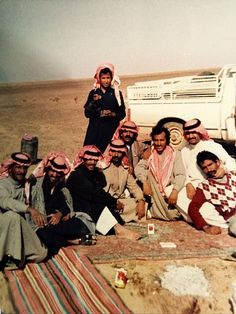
<point>128,140</point>
<point>211,174</point>
<point>116,160</point>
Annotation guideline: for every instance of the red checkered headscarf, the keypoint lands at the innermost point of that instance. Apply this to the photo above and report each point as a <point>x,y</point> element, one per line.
<point>125,126</point>
<point>58,161</point>
<point>115,83</point>
<point>18,158</point>
<point>195,125</point>
<point>117,146</point>
<point>129,126</point>
<point>87,152</point>
<point>161,166</point>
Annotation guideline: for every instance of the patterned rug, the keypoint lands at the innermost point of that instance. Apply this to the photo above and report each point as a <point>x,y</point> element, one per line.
<point>68,283</point>
<point>188,243</point>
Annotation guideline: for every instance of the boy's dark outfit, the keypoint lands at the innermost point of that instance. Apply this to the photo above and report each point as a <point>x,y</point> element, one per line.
<point>101,128</point>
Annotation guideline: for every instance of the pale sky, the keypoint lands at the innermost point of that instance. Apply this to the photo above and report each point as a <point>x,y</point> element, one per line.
<point>61,39</point>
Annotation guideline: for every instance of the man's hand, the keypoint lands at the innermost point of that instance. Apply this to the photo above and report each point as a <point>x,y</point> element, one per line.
<point>214,230</point>
<point>66,217</point>
<point>140,209</point>
<point>146,188</point>
<point>190,190</point>
<point>96,97</point>
<point>220,172</point>
<point>108,113</point>
<point>172,199</point>
<point>131,170</point>
<point>55,218</point>
<point>120,207</point>
<point>38,218</point>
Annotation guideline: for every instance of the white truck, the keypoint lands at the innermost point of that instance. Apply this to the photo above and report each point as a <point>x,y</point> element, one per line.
<point>170,102</point>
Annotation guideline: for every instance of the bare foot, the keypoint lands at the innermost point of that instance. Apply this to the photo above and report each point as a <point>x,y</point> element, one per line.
<point>122,232</point>
<point>214,230</point>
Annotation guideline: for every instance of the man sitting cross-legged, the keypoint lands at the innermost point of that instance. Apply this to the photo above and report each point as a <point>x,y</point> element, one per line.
<point>121,184</point>
<point>217,191</point>
<point>18,242</point>
<point>86,185</point>
<point>162,175</point>
<point>58,226</point>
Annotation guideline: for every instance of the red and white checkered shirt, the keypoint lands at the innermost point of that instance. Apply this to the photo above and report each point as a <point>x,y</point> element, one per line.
<point>221,194</point>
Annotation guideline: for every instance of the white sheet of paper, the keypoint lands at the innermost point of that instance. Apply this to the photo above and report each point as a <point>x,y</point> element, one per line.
<point>169,245</point>
<point>106,221</point>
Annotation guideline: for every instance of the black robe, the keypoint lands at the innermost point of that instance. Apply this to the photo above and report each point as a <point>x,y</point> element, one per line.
<point>101,129</point>
<point>86,188</point>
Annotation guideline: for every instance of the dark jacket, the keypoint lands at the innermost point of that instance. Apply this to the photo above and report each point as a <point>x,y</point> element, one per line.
<point>86,188</point>
<point>101,128</point>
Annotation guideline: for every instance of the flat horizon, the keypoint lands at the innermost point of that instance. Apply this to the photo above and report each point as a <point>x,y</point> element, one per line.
<point>161,74</point>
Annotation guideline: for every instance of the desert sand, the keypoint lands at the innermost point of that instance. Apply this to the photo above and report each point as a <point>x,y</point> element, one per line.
<point>145,294</point>
<point>53,111</point>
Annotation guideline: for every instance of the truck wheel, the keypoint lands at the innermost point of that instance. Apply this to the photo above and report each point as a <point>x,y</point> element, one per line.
<point>176,134</point>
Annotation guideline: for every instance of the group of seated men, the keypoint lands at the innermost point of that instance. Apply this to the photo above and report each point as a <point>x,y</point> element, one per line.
<point>62,204</point>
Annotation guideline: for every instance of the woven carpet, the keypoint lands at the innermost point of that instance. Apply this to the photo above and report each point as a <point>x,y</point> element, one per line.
<point>190,243</point>
<point>68,283</point>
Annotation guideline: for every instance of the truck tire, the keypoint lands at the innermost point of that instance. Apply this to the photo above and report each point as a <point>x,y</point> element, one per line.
<point>176,134</point>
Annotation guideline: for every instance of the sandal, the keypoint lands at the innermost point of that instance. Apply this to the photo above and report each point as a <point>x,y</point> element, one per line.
<point>88,239</point>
